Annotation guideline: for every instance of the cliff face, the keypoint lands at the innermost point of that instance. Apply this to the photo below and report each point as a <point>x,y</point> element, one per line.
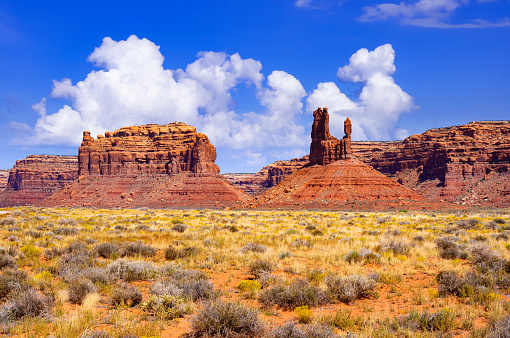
<point>148,149</point>
<point>4,177</point>
<point>36,177</point>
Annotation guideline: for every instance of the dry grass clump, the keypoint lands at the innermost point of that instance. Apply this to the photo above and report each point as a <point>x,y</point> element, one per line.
<point>8,221</point>
<point>172,253</point>
<point>190,284</point>
<point>6,261</point>
<point>168,307</point>
<point>11,280</point>
<point>220,319</point>
<point>107,250</point>
<point>439,321</point>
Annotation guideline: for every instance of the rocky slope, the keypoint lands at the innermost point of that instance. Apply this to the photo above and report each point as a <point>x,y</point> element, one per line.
<point>344,184</point>
<point>159,166</point>
<point>37,177</point>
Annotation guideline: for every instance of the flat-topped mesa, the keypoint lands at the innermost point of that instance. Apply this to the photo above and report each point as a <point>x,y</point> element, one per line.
<point>148,149</point>
<point>326,149</point>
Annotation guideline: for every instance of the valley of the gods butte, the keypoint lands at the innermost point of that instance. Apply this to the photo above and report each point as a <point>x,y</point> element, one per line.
<point>173,166</point>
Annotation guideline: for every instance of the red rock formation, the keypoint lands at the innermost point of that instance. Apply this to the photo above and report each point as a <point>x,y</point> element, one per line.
<point>344,184</point>
<point>326,149</point>
<point>4,177</point>
<point>169,166</point>
<point>36,177</point>
<point>148,149</point>
<point>267,177</point>
<point>466,164</point>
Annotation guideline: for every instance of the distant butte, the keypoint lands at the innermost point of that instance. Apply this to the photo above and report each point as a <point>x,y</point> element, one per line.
<point>335,180</point>
<point>159,166</point>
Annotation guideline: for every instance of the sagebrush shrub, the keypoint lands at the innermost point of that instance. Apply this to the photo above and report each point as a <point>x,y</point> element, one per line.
<point>291,330</point>
<point>167,307</point>
<point>349,288</point>
<point>260,267</point>
<point>25,303</point>
<point>138,248</point>
<point>11,280</point>
<point>7,261</point>
<point>253,247</point>
<point>226,319</point>
<point>126,294</point>
<point>397,246</point>
<point>106,250</point>
<point>131,270</point>
<point>299,293</point>
<point>79,288</point>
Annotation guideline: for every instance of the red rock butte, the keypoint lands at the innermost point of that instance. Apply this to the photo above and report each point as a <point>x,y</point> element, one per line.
<point>153,165</point>
<point>334,179</point>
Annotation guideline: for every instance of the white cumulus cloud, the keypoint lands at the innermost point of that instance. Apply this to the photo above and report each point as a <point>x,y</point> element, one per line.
<point>375,112</point>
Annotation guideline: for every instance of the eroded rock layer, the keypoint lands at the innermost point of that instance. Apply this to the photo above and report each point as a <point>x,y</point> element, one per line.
<point>326,148</point>
<point>148,149</point>
<point>182,190</point>
<point>344,184</point>
<point>36,177</point>
<point>267,177</point>
<point>4,177</point>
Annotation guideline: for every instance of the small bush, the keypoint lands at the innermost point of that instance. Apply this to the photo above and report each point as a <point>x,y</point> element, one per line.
<point>260,267</point>
<point>167,307</point>
<point>25,303</point>
<point>226,319</point>
<point>249,285</point>
<point>126,294</point>
<point>79,289</point>
<point>171,253</point>
<point>189,288</point>
<point>180,227</point>
<point>304,314</point>
<point>253,247</point>
<point>467,224</point>
<point>107,250</point>
<point>299,293</point>
<point>131,249</point>
<point>131,270</point>
<point>499,328</point>
<point>442,320</point>
<point>398,247</point>
<point>11,280</point>
<point>72,265</point>
<point>349,288</point>
<point>449,249</point>
<point>291,330</point>
<point>343,319</point>
<point>7,261</point>
<point>8,221</point>
<point>65,231</point>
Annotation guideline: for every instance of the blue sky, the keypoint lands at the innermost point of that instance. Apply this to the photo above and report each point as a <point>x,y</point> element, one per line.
<point>248,74</point>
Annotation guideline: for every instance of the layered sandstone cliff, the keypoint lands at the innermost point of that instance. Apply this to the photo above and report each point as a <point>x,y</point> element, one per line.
<point>37,177</point>
<point>325,148</point>
<point>158,166</point>
<point>148,149</point>
<point>4,177</point>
